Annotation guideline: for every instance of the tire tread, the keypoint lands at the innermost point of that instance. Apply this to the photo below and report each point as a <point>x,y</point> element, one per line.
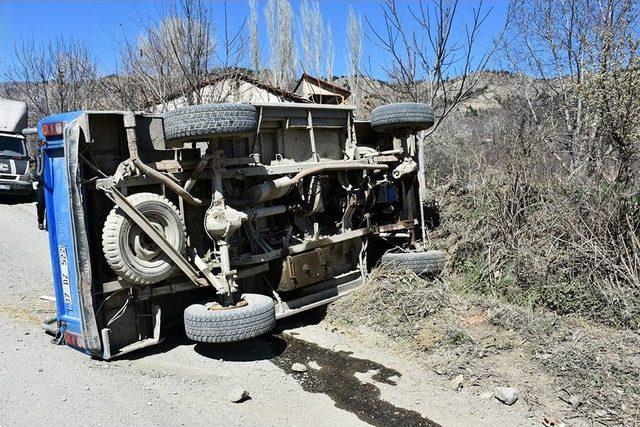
<point>410,116</point>
<point>110,238</point>
<point>219,326</point>
<point>199,122</point>
<point>428,262</point>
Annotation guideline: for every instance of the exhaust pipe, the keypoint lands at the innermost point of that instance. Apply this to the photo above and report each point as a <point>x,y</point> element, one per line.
<point>279,187</point>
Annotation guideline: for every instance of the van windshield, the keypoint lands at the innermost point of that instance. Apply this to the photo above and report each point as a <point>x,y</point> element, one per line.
<point>10,146</point>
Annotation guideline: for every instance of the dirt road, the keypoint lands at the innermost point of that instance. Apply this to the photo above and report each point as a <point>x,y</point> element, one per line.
<point>349,382</point>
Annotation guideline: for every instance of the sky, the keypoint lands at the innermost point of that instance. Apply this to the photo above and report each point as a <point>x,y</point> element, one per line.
<point>103,24</point>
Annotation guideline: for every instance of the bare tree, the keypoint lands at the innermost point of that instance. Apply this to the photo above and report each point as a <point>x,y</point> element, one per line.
<point>584,53</point>
<point>612,89</point>
<point>270,16</point>
<point>176,52</point>
<point>287,49</point>
<point>307,37</point>
<point>430,61</point>
<point>173,54</point>
<point>254,39</point>
<point>329,53</point>
<point>279,19</point>
<point>233,43</point>
<point>58,76</point>
<point>317,34</point>
<point>548,41</point>
<point>316,41</point>
<point>354,55</point>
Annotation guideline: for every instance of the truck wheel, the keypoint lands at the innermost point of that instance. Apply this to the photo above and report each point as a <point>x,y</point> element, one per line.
<point>428,262</point>
<point>408,116</point>
<point>212,323</point>
<point>130,252</point>
<point>200,122</point>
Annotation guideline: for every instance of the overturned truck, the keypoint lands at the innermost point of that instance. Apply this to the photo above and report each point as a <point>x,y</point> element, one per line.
<point>225,216</point>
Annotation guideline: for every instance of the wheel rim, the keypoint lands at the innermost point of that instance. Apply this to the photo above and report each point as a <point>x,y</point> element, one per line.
<point>141,245</point>
<point>140,251</point>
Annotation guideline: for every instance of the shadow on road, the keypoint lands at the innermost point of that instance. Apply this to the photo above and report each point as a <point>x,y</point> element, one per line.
<point>310,317</point>
<point>16,200</point>
<point>173,339</point>
<point>262,348</point>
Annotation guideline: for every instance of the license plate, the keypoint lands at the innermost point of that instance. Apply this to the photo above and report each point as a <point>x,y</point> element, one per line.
<point>5,187</point>
<point>64,272</point>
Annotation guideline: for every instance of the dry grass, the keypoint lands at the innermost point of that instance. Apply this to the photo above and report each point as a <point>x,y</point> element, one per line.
<point>570,248</point>
<point>401,303</point>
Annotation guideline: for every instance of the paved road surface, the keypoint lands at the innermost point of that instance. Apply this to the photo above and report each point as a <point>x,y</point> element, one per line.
<point>180,383</point>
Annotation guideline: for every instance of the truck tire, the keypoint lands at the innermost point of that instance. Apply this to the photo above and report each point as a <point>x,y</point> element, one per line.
<point>201,122</point>
<point>409,116</point>
<point>230,324</point>
<point>428,262</point>
<point>131,254</point>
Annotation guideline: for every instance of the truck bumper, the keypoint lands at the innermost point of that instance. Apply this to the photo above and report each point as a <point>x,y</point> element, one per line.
<point>20,187</point>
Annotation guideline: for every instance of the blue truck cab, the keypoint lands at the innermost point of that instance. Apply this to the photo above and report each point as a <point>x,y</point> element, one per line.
<point>66,224</point>
<point>69,227</point>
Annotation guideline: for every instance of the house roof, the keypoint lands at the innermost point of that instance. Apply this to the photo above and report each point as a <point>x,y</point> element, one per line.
<point>239,75</point>
<point>323,84</point>
<point>256,82</point>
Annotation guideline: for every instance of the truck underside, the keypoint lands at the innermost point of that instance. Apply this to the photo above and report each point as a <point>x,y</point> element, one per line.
<point>165,212</point>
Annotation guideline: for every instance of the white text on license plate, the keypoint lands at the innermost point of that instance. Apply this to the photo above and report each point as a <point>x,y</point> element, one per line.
<point>64,273</point>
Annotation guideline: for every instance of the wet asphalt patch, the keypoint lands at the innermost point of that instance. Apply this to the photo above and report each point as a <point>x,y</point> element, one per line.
<point>337,379</point>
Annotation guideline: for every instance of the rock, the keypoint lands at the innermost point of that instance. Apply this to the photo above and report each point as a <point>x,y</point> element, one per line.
<point>506,395</point>
<point>457,383</point>
<point>314,365</point>
<point>575,401</point>
<point>553,422</point>
<point>237,394</point>
<point>27,333</point>
<point>486,395</point>
<point>298,367</point>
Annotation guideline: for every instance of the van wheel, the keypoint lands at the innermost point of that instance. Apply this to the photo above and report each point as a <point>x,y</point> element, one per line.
<point>197,123</point>
<point>131,254</point>
<point>253,316</point>
<point>428,262</point>
<point>409,116</point>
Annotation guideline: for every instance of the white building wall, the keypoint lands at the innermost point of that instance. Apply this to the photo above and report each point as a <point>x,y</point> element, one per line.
<point>228,90</point>
<point>306,88</point>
